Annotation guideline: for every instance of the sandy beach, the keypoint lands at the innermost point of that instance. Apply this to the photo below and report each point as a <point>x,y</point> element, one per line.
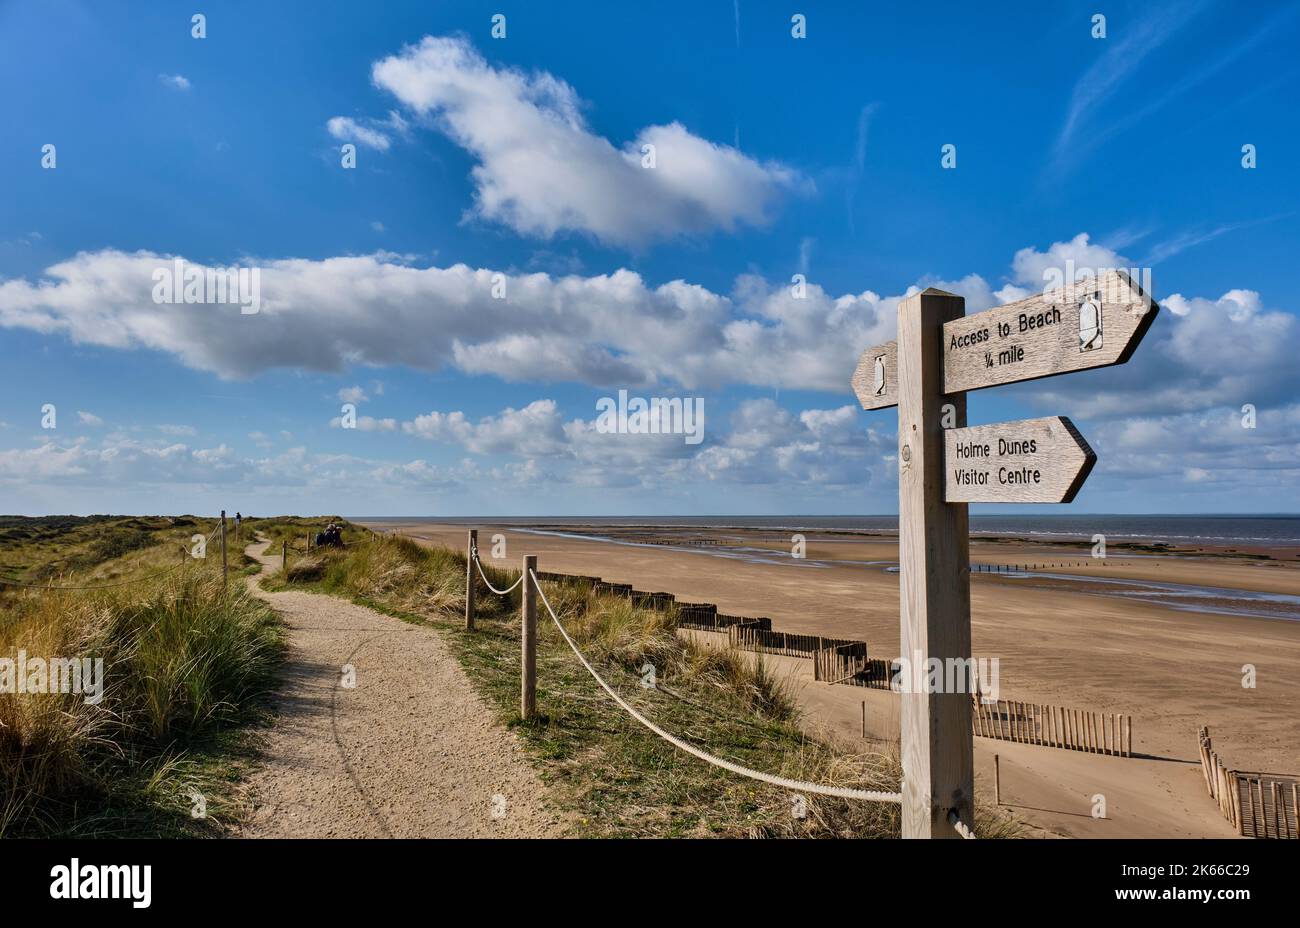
<point>1149,634</point>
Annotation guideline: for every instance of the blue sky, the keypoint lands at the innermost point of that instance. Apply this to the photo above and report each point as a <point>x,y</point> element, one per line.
<point>521,156</point>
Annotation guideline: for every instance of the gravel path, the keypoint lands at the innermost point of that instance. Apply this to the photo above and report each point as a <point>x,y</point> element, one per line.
<point>411,751</point>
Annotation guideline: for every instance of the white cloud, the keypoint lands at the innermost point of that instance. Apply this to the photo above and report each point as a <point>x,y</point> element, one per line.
<point>175,81</point>
<point>346,129</point>
<point>1205,446</point>
<point>368,424</point>
<point>535,429</point>
<point>541,170</point>
<point>117,462</point>
<point>1117,59</point>
<point>89,418</point>
<point>614,330</point>
<point>178,430</point>
<point>353,394</point>
<point>765,444</point>
<point>1031,267</point>
<point>611,330</point>
<point>124,463</point>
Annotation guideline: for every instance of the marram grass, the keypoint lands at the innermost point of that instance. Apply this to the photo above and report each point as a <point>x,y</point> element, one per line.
<point>186,665</point>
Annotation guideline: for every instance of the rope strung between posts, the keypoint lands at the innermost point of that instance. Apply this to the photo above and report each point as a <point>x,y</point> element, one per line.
<point>842,792</point>
<point>505,592</point>
<point>959,825</point>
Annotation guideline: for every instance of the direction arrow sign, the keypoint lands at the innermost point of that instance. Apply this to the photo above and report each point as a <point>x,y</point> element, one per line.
<point>1093,322</point>
<point>876,379</point>
<point>1029,461</point>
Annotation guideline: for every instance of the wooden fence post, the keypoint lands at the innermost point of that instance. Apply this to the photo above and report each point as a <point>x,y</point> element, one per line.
<point>934,558</point>
<point>284,554</point>
<point>997,781</point>
<point>470,585</point>
<point>223,549</point>
<point>528,607</point>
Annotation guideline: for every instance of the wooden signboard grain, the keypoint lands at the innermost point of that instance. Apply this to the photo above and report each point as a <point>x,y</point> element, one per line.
<point>875,381</point>
<point>1094,322</point>
<point>1028,461</point>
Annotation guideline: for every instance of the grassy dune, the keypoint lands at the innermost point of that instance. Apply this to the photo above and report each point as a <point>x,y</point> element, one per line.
<point>295,529</point>
<point>615,778</point>
<point>186,668</point>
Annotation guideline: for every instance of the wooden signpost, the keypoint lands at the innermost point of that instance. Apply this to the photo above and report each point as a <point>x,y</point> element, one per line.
<point>940,354</point>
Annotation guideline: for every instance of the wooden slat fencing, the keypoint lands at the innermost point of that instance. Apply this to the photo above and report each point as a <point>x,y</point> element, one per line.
<point>706,617</point>
<point>838,664</point>
<point>1053,726</point>
<point>790,644</point>
<point>699,616</point>
<point>848,664</point>
<point>1258,805</point>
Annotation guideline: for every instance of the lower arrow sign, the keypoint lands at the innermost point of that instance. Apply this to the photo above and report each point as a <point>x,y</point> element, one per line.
<point>1029,461</point>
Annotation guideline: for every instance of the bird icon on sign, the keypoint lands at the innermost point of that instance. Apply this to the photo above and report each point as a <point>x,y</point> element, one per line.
<point>879,383</point>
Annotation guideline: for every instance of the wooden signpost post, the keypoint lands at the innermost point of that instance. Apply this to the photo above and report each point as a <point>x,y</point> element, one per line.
<point>943,465</point>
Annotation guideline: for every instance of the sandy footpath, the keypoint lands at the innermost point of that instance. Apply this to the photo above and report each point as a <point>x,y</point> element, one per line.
<point>410,752</point>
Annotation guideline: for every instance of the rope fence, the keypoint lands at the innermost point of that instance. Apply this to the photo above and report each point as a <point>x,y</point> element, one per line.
<point>842,792</point>
<point>507,591</point>
<point>958,825</point>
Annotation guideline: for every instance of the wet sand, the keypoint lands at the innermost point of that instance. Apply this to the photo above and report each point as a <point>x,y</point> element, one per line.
<point>1061,640</point>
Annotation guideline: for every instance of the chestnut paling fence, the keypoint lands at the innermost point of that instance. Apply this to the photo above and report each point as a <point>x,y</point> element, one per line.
<point>1053,726</point>
<point>1258,805</point>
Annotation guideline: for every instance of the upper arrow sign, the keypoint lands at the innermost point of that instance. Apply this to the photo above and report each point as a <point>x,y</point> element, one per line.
<point>1093,322</point>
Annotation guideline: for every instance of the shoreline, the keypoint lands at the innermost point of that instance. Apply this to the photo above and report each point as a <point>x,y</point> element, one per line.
<point>1131,543</point>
